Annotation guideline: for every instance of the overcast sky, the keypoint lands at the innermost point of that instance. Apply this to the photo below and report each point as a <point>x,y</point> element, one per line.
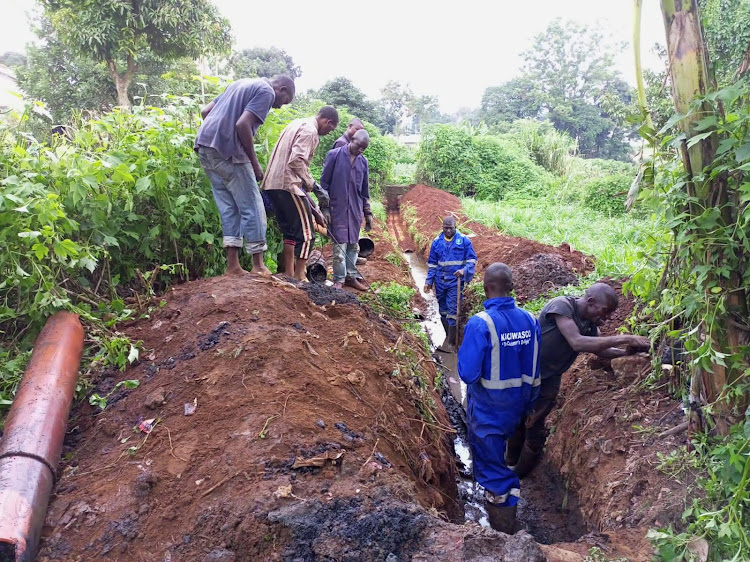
<point>451,50</point>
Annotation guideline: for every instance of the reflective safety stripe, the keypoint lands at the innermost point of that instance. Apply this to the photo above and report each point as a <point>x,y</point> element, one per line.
<point>495,382</point>
<point>451,316</point>
<point>444,263</point>
<point>471,261</point>
<point>430,265</point>
<point>494,498</point>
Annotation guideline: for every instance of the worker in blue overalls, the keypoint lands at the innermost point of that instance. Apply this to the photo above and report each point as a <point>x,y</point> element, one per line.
<point>450,265</point>
<point>498,361</point>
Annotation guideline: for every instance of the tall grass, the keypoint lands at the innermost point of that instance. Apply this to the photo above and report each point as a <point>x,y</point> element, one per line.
<point>616,242</point>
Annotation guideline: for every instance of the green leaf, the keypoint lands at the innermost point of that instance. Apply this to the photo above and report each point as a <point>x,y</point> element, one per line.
<point>40,250</point>
<point>697,138</point>
<point>742,153</point>
<point>142,184</point>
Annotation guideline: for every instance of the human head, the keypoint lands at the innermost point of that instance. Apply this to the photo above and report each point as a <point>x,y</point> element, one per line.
<point>359,143</point>
<point>354,126</point>
<point>449,226</point>
<point>599,302</point>
<point>498,281</point>
<point>328,119</point>
<point>283,87</point>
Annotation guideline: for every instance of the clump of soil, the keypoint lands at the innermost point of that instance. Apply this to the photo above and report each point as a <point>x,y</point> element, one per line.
<point>541,274</point>
<point>297,404</point>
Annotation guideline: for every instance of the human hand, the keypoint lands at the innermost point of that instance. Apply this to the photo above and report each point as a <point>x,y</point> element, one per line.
<point>258,171</point>
<point>459,273</point>
<point>427,288</point>
<point>638,343</point>
<point>368,223</point>
<point>326,212</point>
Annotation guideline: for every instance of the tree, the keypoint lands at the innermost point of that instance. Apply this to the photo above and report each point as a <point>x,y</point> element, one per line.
<point>13,59</point>
<point>341,92</point>
<point>122,32</point>
<point>64,80</point>
<point>710,216</point>
<point>516,99</point>
<point>263,62</point>
<point>69,82</point>
<point>394,106</point>
<point>425,110</point>
<point>568,77</point>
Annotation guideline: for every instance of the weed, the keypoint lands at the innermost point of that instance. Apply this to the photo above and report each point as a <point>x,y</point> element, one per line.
<point>101,401</point>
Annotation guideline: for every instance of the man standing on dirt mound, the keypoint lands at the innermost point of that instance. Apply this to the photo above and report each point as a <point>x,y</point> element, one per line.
<point>354,126</point>
<point>451,263</point>
<point>225,146</point>
<point>345,178</point>
<point>498,361</point>
<point>288,182</point>
<point>569,325</point>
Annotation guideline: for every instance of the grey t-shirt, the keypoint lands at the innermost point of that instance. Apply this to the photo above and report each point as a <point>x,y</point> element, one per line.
<point>218,130</point>
<point>556,355</point>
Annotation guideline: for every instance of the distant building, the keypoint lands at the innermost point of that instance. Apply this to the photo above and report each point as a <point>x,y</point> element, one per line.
<point>9,90</point>
<point>410,140</point>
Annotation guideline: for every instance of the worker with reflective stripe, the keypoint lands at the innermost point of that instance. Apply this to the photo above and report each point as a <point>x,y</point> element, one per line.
<point>499,362</point>
<point>451,259</point>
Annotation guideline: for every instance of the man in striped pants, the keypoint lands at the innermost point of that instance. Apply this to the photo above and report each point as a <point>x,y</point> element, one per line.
<point>499,362</point>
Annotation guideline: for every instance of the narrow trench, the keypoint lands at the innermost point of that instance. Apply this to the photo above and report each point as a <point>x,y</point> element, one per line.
<point>547,510</point>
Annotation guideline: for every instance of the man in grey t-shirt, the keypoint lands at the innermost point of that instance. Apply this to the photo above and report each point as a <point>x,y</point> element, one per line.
<point>225,146</point>
<point>569,326</point>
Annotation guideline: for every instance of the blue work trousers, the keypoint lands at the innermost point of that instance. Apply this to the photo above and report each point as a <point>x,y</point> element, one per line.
<point>490,470</point>
<point>447,297</point>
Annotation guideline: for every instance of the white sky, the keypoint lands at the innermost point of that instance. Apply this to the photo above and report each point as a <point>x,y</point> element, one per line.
<point>451,50</point>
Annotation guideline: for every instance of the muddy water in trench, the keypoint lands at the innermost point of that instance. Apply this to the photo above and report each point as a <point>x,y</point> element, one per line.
<point>546,509</point>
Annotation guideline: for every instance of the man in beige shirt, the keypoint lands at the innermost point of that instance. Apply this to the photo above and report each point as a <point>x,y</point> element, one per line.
<point>288,181</point>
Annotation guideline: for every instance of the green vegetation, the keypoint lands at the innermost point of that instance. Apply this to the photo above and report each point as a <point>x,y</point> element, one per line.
<point>99,221</point>
<point>616,242</point>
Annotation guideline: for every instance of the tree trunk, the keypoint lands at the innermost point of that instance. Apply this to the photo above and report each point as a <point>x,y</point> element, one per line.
<point>122,80</point>
<point>688,67</point>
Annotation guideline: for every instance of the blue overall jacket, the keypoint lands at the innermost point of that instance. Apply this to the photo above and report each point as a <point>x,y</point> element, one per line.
<point>448,257</point>
<point>499,362</point>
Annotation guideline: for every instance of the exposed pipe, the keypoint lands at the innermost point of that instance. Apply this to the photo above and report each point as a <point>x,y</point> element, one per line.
<point>34,432</point>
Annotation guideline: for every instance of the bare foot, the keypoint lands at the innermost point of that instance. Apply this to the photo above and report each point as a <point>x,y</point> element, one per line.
<point>262,270</point>
<point>236,271</point>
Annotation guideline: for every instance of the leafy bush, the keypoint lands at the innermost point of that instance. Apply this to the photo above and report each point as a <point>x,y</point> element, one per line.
<point>458,160</point>
<point>607,194</point>
<point>548,147</point>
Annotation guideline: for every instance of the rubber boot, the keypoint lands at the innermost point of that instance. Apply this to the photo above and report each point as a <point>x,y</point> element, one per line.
<point>449,345</point>
<point>514,445</point>
<point>502,518</point>
<point>526,462</point>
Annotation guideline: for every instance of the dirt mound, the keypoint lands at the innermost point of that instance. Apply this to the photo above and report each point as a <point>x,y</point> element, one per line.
<point>540,274</point>
<point>294,403</point>
<point>431,205</point>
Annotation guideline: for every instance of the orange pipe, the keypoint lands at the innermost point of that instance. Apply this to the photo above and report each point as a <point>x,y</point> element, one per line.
<point>34,432</point>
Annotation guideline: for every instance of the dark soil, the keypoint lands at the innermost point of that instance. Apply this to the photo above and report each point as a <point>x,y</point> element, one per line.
<point>541,274</point>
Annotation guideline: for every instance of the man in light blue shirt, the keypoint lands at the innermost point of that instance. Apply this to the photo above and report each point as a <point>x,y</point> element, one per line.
<point>225,146</point>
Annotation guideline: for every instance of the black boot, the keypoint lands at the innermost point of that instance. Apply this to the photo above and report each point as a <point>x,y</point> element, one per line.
<point>449,345</point>
<point>514,445</point>
<point>526,462</point>
<point>503,518</point>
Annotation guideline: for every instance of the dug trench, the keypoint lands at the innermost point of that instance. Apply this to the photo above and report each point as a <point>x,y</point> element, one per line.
<point>280,421</point>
